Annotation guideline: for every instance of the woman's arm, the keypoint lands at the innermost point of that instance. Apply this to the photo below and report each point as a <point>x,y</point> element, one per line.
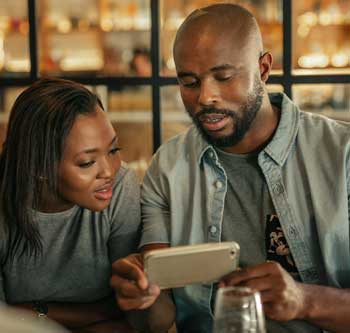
<point>158,318</point>
<point>148,310</point>
<point>109,326</point>
<point>75,315</point>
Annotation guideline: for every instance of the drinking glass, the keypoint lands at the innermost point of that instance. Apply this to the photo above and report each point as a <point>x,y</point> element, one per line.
<point>238,310</point>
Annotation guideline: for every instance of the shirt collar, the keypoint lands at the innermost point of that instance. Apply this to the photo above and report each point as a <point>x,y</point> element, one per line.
<point>287,129</point>
<point>279,146</point>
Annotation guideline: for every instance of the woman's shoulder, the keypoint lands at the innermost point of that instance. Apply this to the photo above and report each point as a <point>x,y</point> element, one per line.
<point>125,175</point>
<point>126,192</point>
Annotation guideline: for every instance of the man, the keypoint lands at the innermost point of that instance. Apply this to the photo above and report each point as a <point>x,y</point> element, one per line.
<point>253,169</point>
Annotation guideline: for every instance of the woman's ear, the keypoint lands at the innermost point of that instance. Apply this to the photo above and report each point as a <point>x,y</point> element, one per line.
<point>265,64</point>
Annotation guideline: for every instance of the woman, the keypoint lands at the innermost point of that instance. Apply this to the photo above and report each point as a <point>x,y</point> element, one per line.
<point>69,206</point>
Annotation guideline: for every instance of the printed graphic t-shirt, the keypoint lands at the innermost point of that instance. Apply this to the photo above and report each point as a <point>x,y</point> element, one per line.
<point>250,220</point>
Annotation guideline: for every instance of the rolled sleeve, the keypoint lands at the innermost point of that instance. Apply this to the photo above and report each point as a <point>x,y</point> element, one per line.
<point>155,213</point>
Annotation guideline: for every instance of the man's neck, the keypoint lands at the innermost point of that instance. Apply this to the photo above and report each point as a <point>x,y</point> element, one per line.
<point>261,132</point>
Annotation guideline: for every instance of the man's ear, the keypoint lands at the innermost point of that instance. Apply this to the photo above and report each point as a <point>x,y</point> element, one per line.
<point>265,64</point>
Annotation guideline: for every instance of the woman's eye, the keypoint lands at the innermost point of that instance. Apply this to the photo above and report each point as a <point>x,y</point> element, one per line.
<point>114,150</point>
<point>86,164</point>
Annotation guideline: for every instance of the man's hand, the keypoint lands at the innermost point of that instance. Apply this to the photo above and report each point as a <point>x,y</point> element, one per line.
<point>133,292</point>
<point>282,297</point>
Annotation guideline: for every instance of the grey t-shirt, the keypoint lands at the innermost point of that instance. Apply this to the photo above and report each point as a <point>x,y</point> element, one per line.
<point>78,248</point>
<point>248,209</point>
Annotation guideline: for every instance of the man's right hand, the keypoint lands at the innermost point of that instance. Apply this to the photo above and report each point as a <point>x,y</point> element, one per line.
<point>132,289</point>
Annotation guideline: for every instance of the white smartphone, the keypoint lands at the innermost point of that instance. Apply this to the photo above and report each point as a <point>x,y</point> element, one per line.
<point>182,265</point>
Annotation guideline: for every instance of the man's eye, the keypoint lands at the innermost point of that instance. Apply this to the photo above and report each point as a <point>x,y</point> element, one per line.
<point>86,164</point>
<point>114,150</point>
<point>189,83</point>
<point>224,78</point>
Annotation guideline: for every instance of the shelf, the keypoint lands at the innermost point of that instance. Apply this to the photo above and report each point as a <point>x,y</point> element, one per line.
<point>143,116</point>
<point>321,71</point>
<point>9,34</point>
<point>332,25</point>
<point>173,27</point>
<point>137,116</point>
<point>95,29</point>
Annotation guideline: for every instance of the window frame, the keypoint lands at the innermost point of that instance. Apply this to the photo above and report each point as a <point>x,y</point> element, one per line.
<point>156,81</point>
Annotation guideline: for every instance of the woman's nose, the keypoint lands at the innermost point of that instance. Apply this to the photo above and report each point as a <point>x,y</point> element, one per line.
<point>106,168</point>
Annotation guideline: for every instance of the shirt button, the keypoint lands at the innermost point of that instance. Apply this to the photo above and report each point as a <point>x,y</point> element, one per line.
<point>213,229</point>
<point>292,232</point>
<point>219,184</point>
<point>278,188</point>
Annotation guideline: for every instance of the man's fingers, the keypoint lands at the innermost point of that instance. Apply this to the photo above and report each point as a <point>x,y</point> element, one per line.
<point>267,296</point>
<point>242,276</point>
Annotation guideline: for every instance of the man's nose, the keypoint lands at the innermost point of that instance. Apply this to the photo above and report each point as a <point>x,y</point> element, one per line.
<point>209,93</point>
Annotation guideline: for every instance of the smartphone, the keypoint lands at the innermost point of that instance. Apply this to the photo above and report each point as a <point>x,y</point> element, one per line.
<point>182,265</point>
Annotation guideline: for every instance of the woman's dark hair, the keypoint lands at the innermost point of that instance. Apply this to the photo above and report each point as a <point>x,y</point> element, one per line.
<point>40,120</point>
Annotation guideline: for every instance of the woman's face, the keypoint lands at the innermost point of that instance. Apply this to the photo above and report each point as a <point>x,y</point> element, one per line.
<point>89,164</point>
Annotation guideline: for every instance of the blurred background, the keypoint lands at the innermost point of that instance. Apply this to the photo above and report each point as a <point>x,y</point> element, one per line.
<point>122,49</point>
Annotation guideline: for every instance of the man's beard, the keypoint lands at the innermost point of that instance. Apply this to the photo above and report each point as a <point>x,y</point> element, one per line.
<point>242,118</point>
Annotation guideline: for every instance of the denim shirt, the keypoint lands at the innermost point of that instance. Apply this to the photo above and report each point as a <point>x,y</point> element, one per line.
<point>306,167</point>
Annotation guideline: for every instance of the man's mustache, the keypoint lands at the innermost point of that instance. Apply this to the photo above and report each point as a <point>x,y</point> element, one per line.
<point>207,111</point>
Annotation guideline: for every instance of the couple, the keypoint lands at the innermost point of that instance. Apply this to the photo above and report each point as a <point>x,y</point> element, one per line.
<point>253,169</point>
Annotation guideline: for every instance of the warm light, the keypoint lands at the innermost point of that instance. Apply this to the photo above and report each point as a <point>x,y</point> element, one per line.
<point>4,23</point>
<point>336,14</point>
<point>173,23</point>
<point>142,22</point>
<point>24,28</point>
<point>338,18</point>
<point>85,60</point>
<point>303,30</point>
<point>339,60</point>
<point>124,23</point>
<point>106,24</point>
<point>64,26</point>
<point>83,25</point>
<point>17,65</point>
<point>170,64</point>
<point>313,60</point>
<point>2,51</point>
<point>325,18</point>
<point>309,18</point>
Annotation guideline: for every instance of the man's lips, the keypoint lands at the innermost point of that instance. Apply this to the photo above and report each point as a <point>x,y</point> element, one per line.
<point>214,122</point>
<point>211,117</point>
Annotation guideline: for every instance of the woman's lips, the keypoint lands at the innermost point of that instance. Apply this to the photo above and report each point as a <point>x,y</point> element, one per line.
<point>104,193</point>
